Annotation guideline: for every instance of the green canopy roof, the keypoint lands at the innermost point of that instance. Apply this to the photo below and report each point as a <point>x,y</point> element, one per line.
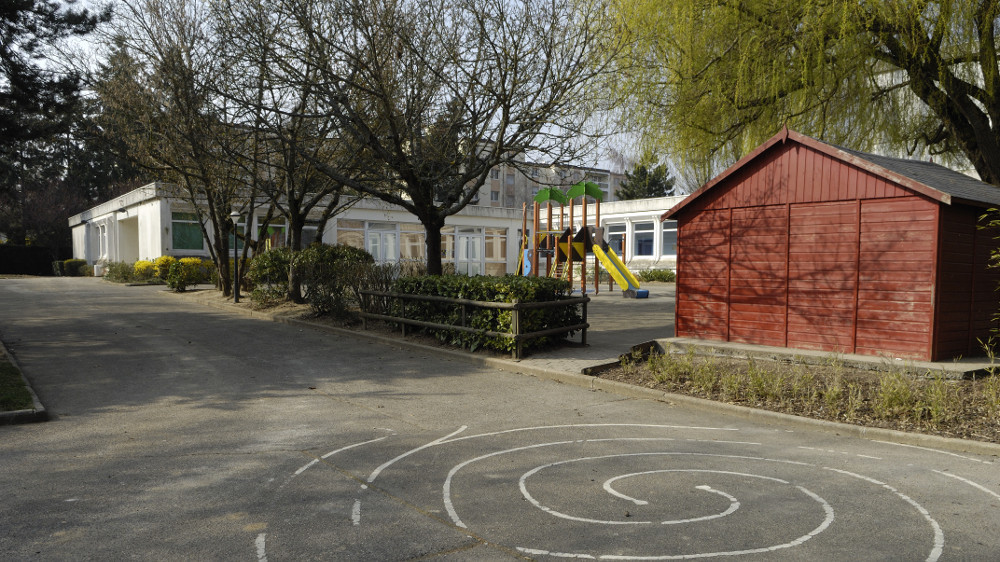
<point>551,194</point>
<point>585,188</point>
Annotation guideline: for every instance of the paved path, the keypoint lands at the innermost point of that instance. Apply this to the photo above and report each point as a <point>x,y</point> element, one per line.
<point>183,432</point>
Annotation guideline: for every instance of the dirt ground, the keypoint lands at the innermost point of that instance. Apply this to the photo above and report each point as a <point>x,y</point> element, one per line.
<point>966,409</point>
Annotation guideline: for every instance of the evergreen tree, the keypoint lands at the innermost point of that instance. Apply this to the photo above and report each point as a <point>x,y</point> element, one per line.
<point>644,182</point>
<point>37,105</point>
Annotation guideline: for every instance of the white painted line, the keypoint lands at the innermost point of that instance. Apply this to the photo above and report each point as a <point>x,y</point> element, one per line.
<point>342,449</point>
<point>356,513</point>
<point>451,474</point>
<point>827,521</point>
<point>313,462</point>
<point>305,467</point>
<point>385,465</point>
<point>934,451</point>
<point>261,547</point>
<point>581,425</point>
<point>969,482</point>
<point>938,546</point>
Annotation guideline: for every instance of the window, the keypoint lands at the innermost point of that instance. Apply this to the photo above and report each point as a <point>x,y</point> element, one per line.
<point>644,238</point>
<point>494,196</point>
<point>186,232</point>
<point>310,233</point>
<point>510,179</point>
<point>274,235</point>
<point>668,247</point>
<point>496,251</point>
<point>102,237</point>
<point>495,173</point>
<point>411,242</point>
<point>351,233</point>
<point>382,240</point>
<point>616,238</point>
<point>534,172</point>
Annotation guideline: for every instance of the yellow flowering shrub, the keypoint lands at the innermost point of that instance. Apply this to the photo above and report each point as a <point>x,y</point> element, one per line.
<point>162,265</point>
<point>143,269</point>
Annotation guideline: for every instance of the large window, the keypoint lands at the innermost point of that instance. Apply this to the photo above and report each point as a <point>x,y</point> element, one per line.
<point>185,232</point>
<point>644,233</point>
<point>669,242</point>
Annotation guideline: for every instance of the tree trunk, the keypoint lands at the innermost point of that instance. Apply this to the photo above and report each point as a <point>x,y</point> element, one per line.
<point>295,223</point>
<point>432,241</point>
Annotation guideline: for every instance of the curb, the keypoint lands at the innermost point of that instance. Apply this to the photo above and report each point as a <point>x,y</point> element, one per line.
<point>37,413</point>
<point>638,392</point>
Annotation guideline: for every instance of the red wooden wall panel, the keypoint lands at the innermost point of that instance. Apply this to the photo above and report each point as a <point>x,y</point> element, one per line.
<point>822,275</point>
<point>757,275</point>
<point>896,281</point>
<point>703,276</point>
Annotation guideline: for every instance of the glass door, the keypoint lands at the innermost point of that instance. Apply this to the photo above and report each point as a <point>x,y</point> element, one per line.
<point>469,254</point>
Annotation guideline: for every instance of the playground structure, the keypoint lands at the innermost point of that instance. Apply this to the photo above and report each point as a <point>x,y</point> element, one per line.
<point>563,249</point>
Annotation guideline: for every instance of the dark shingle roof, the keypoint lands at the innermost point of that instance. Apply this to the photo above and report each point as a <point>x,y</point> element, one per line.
<point>935,176</point>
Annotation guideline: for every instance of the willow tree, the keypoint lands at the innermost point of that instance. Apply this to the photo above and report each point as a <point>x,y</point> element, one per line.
<point>710,80</point>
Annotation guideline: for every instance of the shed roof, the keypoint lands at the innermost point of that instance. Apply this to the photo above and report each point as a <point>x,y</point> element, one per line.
<point>927,178</point>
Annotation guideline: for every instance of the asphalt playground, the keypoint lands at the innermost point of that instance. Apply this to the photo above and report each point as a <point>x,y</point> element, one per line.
<point>184,429</point>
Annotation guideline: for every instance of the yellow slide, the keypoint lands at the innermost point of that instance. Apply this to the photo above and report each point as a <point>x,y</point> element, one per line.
<point>616,268</point>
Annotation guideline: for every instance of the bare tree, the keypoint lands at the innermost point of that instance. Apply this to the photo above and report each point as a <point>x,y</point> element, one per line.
<point>160,92</point>
<point>288,134</point>
<point>429,95</point>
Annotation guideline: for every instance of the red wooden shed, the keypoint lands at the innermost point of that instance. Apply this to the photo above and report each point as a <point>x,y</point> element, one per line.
<point>806,245</point>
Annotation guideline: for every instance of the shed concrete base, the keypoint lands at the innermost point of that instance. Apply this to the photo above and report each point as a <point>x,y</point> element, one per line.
<point>956,369</point>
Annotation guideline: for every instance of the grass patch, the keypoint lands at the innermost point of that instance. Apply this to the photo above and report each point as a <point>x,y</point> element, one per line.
<point>13,394</point>
<point>891,398</point>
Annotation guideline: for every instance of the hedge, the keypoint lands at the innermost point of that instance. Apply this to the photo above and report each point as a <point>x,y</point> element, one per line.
<point>509,288</point>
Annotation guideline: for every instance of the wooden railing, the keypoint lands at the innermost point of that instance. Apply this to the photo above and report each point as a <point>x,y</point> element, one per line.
<point>517,308</point>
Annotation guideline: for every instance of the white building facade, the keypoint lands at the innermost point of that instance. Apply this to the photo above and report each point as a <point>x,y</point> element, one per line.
<point>152,221</point>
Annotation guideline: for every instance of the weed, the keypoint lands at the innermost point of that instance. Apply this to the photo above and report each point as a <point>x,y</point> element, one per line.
<point>855,401</point>
<point>938,401</point>
<point>832,392</point>
<point>894,397</point>
<point>703,378</point>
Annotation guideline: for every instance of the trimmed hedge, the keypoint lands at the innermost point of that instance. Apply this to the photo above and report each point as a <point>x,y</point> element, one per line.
<point>509,288</point>
<point>330,274</point>
<point>74,267</point>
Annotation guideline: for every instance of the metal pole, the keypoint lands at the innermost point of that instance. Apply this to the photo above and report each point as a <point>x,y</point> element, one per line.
<point>236,258</point>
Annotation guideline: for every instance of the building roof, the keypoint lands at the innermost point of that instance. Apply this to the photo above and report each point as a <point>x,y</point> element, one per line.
<point>927,178</point>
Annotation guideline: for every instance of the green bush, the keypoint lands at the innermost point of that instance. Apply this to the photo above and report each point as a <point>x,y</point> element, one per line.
<point>119,272</point>
<point>267,272</point>
<point>663,275</point>
<point>510,288</point>
<point>72,268</point>
<point>332,275</point>
<point>184,273</point>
